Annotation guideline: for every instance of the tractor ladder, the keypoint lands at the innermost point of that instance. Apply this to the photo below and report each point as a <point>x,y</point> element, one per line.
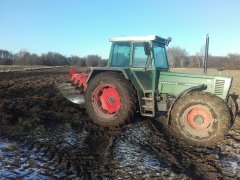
<point>148,105</point>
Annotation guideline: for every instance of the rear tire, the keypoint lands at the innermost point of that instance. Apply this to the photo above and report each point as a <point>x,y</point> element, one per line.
<point>110,100</point>
<point>200,118</point>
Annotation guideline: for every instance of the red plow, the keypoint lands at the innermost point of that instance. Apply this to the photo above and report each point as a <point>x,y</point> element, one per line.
<point>79,80</point>
<point>74,88</point>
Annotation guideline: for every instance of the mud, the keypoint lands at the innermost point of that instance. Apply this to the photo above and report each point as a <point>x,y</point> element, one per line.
<point>43,136</point>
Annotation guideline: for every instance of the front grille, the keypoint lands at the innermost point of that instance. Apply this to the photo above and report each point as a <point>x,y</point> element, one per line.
<point>219,87</point>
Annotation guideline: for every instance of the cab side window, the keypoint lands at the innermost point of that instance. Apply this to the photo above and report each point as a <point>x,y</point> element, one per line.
<point>121,54</point>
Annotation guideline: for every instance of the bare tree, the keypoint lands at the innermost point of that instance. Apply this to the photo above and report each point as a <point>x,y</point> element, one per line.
<point>92,60</point>
<point>6,57</point>
<point>200,56</point>
<point>177,57</point>
<point>233,61</point>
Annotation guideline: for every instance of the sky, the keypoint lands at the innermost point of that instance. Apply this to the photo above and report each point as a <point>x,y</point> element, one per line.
<point>83,27</point>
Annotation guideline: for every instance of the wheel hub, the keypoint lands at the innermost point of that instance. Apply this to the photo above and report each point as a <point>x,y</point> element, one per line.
<point>106,100</point>
<point>110,100</point>
<point>198,120</point>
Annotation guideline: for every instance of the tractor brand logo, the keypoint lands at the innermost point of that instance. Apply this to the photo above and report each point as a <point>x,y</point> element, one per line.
<point>185,84</point>
<point>191,84</point>
<point>178,83</point>
<point>170,83</point>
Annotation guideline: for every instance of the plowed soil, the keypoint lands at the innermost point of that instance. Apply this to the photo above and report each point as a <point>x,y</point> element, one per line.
<point>44,136</point>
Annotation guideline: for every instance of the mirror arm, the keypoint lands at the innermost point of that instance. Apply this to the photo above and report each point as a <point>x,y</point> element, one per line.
<point>149,60</point>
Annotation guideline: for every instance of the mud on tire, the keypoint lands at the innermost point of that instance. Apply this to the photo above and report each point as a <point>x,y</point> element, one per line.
<point>200,118</point>
<point>110,99</point>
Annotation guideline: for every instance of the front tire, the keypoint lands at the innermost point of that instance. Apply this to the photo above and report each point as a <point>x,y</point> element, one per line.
<point>110,100</point>
<point>200,118</point>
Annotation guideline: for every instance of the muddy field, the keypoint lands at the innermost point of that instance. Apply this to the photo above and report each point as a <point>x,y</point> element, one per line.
<point>44,136</point>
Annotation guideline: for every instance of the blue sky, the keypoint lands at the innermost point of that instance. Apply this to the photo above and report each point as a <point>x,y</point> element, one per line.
<point>83,27</point>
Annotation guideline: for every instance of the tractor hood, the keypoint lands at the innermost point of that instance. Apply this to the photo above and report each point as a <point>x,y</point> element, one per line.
<point>175,82</point>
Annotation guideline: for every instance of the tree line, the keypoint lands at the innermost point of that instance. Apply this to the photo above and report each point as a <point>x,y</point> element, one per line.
<point>52,59</point>
<point>177,57</point>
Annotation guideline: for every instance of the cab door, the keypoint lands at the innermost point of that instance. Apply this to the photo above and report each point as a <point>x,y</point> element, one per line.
<point>142,67</point>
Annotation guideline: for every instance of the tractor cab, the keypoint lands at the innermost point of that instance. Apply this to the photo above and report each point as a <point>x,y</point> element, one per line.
<point>142,58</point>
<point>144,52</point>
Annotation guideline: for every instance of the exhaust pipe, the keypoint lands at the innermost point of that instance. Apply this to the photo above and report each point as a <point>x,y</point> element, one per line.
<point>206,54</point>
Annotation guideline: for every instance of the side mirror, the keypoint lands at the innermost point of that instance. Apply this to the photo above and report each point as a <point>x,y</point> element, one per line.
<point>169,39</point>
<point>147,48</point>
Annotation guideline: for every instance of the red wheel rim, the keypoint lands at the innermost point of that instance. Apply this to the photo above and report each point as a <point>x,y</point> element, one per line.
<point>106,100</point>
<point>198,120</point>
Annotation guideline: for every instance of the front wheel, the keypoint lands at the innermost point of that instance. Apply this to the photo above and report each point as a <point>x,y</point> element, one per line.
<point>200,118</point>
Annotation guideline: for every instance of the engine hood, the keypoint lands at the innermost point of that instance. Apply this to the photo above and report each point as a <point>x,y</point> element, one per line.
<point>175,82</point>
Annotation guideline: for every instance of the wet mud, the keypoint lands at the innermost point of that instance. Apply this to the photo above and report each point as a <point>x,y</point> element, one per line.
<point>44,136</point>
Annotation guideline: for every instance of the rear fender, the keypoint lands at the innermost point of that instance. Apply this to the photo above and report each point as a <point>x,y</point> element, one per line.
<point>96,70</point>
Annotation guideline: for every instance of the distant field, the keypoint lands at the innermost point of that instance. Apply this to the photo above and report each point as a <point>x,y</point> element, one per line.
<point>8,68</point>
<point>209,71</point>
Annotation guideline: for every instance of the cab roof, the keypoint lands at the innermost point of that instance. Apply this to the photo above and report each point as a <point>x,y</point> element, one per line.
<point>139,38</point>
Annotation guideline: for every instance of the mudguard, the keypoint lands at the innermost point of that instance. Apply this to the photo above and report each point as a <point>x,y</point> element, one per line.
<point>95,70</point>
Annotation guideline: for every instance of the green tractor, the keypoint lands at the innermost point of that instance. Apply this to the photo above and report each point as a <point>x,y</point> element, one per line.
<point>137,79</point>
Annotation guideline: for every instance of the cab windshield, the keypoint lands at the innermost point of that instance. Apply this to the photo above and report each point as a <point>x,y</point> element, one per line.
<point>160,57</point>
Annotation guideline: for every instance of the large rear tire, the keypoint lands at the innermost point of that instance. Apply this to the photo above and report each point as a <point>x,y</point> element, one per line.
<point>200,118</point>
<point>110,100</point>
